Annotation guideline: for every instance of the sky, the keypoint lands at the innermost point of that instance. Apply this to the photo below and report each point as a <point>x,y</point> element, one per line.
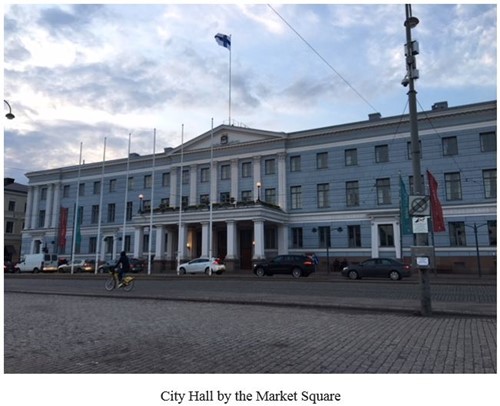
<point>82,73</point>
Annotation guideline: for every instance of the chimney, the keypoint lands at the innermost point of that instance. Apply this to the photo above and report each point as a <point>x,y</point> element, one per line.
<point>440,105</point>
<point>374,116</point>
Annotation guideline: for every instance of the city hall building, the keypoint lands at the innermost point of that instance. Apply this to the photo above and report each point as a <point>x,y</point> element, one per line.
<point>332,191</point>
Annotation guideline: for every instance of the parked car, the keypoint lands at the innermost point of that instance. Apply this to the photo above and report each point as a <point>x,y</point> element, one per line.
<point>8,267</point>
<point>136,265</point>
<point>79,265</point>
<point>295,265</point>
<point>202,265</point>
<point>378,267</point>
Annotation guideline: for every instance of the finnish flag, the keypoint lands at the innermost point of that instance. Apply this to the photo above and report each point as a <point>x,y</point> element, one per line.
<point>223,40</point>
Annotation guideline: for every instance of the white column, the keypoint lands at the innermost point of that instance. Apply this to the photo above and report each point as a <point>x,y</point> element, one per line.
<point>48,206</point>
<point>213,183</point>
<point>29,205</point>
<point>160,242</point>
<point>234,179</point>
<point>204,238</point>
<point>138,240</point>
<point>171,248</point>
<point>36,198</point>
<point>282,239</point>
<point>193,178</point>
<point>231,239</point>
<point>258,234</point>
<point>174,199</point>
<point>256,177</point>
<point>282,186</point>
<point>183,238</point>
<point>56,206</point>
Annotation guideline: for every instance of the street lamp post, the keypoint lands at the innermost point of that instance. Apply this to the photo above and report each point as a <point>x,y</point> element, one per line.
<point>141,203</point>
<point>9,115</point>
<point>259,185</point>
<point>411,50</point>
<point>478,258</point>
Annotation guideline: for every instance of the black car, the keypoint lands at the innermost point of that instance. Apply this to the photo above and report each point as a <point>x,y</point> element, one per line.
<point>378,267</point>
<point>295,265</point>
<point>136,265</point>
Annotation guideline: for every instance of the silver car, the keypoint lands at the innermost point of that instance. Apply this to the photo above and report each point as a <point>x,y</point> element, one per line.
<point>202,265</point>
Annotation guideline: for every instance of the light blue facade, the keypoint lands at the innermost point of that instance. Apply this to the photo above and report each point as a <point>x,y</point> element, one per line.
<point>276,192</point>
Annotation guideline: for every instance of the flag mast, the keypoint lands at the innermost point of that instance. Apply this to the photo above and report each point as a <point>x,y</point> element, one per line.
<point>180,238</point>
<point>75,225</point>
<point>150,239</point>
<point>98,241</point>
<point>225,41</point>
<point>126,193</point>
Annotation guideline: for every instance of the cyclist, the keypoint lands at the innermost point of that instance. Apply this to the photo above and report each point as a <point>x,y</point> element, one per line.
<point>123,266</point>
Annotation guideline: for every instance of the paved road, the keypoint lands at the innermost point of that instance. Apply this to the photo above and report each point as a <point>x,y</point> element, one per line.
<point>78,334</point>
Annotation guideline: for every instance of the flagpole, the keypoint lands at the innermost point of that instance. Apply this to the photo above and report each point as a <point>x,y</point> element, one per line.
<point>180,239</point>
<point>150,239</point>
<point>211,191</point>
<point>98,241</point>
<point>126,193</point>
<point>230,51</point>
<point>75,215</point>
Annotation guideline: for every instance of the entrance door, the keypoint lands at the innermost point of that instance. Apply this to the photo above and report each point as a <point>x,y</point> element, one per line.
<point>246,249</point>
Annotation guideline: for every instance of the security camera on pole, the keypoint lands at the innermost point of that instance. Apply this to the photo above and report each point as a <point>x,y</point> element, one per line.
<point>420,253</point>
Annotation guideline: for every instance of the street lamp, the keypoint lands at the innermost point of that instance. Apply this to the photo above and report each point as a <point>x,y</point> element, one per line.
<point>475,227</point>
<point>141,203</point>
<point>9,115</point>
<point>258,191</point>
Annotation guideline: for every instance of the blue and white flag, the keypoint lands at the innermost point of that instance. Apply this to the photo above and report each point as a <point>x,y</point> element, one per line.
<point>223,40</point>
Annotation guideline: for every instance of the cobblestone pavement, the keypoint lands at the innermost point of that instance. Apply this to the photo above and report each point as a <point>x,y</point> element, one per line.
<point>72,334</point>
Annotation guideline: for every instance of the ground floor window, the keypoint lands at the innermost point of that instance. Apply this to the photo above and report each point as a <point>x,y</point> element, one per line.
<point>457,233</point>
<point>354,236</point>
<point>386,235</point>
<point>297,241</point>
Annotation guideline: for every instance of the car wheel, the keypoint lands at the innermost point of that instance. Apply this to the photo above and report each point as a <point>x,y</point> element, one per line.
<point>394,275</point>
<point>208,272</point>
<point>260,272</point>
<point>353,275</point>
<point>296,272</point>
<point>182,271</point>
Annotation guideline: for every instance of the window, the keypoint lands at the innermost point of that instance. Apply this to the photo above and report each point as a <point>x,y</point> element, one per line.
<point>324,237</point>
<point>165,179</point>
<point>204,175</point>
<point>386,235</point>
<point>351,157</point>
<point>12,205</point>
<point>147,181</point>
<point>408,147</point>
<point>295,163</point>
<point>383,191</point>
<point>270,240</point>
<point>128,245</point>
<point>225,172</point>
<point>81,189</point>
<point>490,183</point>
<point>111,212</point>
<point>488,141</point>
<point>129,211</point>
<point>352,193</point>
<point>381,153</point>
<point>297,241</point>
<point>204,199</point>
<point>323,192</point>
<point>450,146</point>
<point>457,233</point>
<point>112,185</point>
<point>96,190</point>
<point>41,218</point>
<point>43,193</point>
<point>185,176</point>
<point>246,196</point>
<point>322,160</point>
<point>66,190</point>
<point>9,227</point>
<point>296,197</point>
<point>92,245</point>
<point>354,235</point>
<point>270,196</point>
<point>94,216</point>
<point>224,197</point>
<point>131,183</point>
<point>146,205</point>
<point>453,186</point>
<point>492,232</point>
<point>269,166</point>
<point>246,170</point>
<point>185,201</point>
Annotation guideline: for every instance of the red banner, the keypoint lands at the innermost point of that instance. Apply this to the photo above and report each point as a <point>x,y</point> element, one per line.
<point>63,220</point>
<point>436,209</point>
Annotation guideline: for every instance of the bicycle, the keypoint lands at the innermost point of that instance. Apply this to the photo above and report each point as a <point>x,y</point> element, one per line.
<point>113,282</point>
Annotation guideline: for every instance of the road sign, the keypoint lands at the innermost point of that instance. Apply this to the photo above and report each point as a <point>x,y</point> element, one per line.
<point>420,225</point>
<point>419,206</point>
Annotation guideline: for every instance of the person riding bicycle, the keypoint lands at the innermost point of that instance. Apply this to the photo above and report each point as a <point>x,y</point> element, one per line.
<point>123,266</point>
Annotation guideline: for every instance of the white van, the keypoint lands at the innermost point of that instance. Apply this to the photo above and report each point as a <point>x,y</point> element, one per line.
<point>33,263</point>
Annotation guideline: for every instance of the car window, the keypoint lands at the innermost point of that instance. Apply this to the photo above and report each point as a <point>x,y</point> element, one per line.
<point>369,262</point>
<point>386,262</point>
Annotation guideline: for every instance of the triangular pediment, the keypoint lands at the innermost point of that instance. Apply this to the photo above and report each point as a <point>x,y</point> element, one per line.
<point>225,135</point>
